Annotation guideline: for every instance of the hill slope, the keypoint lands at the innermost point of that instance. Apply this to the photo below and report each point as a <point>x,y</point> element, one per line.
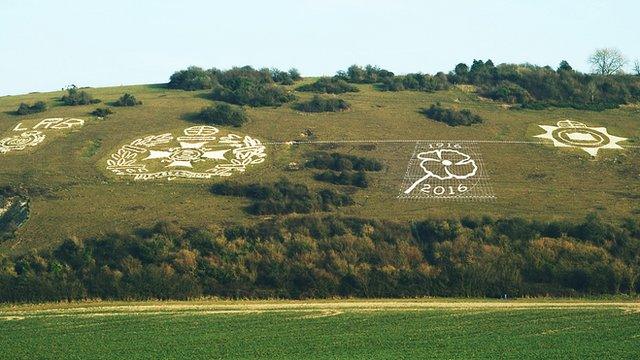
<point>72,193</point>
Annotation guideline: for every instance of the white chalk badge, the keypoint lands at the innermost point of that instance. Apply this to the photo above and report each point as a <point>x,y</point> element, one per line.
<point>199,152</point>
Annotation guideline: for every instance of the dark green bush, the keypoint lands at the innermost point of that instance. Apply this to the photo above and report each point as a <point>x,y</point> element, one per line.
<point>247,86</point>
<point>102,112</point>
<point>25,109</point>
<point>283,197</point>
<point>451,117</point>
<point>320,104</point>
<point>418,82</point>
<point>341,162</point>
<point>367,75</point>
<point>353,178</point>
<point>285,77</point>
<point>295,74</point>
<point>239,85</point>
<point>223,114</point>
<point>127,100</point>
<point>329,85</point>
<point>250,94</point>
<point>77,97</point>
<point>193,78</point>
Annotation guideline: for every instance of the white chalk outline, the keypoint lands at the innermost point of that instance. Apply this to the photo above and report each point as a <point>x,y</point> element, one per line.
<point>34,136</point>
<point>446,163</point>
<point>246,151</point>
<point>481,176</point>
<point>555,133</point>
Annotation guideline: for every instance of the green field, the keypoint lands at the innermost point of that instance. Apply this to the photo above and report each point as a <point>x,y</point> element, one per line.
<point>377,329</point>
<point>73,195</point>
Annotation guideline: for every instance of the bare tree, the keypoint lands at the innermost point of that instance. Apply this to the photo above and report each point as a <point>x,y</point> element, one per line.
<point>607,61</point>
<point>636,66</point>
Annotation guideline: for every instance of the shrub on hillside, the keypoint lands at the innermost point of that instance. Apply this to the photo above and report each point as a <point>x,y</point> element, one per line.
<point>247,86</point>
<point>127,100</point>
<point>285,77</point>
<point>223,114</point>
<point>346,177</point>
<point>246,93</point>
<point>25,109</point>
<point>78,97</point>
<point>283,197</point>
<point>341,162</point>
<point>295,74</point>
<point>239,85</point>
<point>451,117</point>
<point>320,104</point>
<point>418,82</point>
<point>367,75</point>
<point>193,78</point>
<point>329,85</point>
<point>102,112</point>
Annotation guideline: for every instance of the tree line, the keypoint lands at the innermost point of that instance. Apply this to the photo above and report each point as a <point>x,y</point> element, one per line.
<point>323,256</point>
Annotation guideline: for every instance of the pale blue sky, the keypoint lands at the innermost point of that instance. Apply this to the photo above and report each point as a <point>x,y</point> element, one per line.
<point>46,45</point>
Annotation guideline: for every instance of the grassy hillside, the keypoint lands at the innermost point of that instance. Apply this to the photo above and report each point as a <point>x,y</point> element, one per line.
<point>453,329</point>
<point>72,193</point>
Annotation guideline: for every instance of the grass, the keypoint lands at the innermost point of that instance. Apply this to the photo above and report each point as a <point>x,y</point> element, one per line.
<point>355,329</point>
<point>80,198</point>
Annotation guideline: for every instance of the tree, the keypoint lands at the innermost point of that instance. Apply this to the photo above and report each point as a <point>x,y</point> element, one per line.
<point>77,97</point>
<point>607,61</point>
<point>193,78</point>
<point>295,74</point>
<point>636,66</point>
<point>564,66</point>
<point>461,70</point>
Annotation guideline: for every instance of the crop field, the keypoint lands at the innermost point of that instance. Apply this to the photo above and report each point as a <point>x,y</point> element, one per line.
<point>74,193</point>
<point>375,329</point>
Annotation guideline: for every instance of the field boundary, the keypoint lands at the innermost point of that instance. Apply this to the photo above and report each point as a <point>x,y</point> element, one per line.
<point>18,312</point>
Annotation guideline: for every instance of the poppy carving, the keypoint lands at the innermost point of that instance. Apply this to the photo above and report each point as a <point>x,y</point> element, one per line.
<point>444,164</point>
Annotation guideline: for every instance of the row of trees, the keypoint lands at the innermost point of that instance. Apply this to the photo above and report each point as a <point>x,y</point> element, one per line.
<point>325,256</point>
<point>538,87</point>
<point>530,86</point>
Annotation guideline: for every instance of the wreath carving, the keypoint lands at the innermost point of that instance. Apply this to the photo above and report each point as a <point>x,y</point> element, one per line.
<point>199,154</point>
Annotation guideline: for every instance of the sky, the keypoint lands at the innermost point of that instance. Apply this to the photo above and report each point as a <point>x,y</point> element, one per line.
<point>46,45</point>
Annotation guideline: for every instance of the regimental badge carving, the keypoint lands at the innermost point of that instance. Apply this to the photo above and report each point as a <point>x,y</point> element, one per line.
<point>570,133</point>
<point>23,136</point>
<point>198,153</point>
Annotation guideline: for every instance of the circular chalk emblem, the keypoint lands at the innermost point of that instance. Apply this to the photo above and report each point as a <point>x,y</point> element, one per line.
<point>21,141</point>
<point>198,153</point>
<point>569,133</point>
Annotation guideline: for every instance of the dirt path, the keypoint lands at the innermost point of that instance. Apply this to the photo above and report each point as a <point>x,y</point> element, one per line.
<point>328,307</point>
